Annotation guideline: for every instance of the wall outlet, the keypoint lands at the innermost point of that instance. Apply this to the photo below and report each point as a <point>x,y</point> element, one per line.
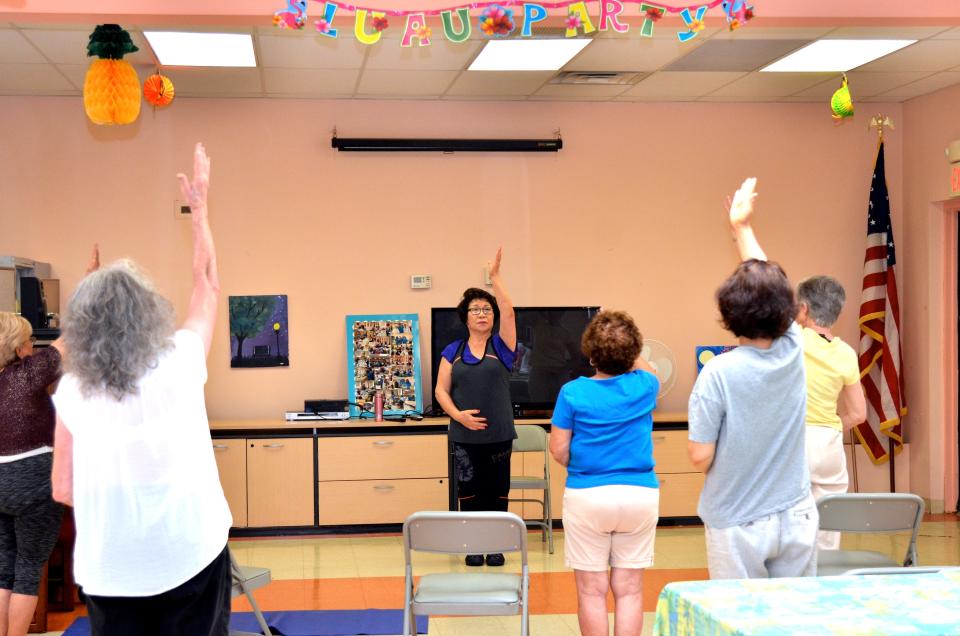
<point>421,281</point>
<point>181,209</point>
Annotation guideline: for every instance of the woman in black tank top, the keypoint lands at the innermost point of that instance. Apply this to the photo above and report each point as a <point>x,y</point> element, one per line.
<point>473,388</point>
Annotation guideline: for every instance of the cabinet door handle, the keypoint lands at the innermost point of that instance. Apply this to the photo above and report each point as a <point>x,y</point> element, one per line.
<point>659,438</point>
<point>220,447</point>
<point>383,488</point>
<point>274,445</point>
<point>383,444</point>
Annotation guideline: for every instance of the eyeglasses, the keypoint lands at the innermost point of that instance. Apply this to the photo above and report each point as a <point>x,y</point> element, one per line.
<point>477,311</point>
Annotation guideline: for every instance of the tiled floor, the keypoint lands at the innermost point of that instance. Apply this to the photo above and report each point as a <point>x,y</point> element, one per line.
<point>356,572</point>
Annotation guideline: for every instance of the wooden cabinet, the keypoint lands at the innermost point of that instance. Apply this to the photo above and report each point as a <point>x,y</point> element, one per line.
<point>680,483</point>
<point>267,482</point>
<point>231,456</point>
<point>380,479</point>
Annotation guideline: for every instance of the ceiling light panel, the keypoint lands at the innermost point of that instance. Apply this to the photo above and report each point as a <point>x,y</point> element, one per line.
<point>176,48</point>
<point>835,56</point>
<point>527,55</point>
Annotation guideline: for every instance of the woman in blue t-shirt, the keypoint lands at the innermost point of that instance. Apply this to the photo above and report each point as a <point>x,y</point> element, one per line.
<point>473,388</point>
<point>602,433</point>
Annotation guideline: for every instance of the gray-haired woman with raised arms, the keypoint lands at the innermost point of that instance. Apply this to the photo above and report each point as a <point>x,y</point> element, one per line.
<point>133,453</point>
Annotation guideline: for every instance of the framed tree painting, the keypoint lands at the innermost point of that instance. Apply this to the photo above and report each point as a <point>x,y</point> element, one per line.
<point>383,354</point>
<point>259,336</point>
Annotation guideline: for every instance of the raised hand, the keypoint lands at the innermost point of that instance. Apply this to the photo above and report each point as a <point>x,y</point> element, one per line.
<point>470,419</point>
<point>741,208</point>
<point>494,267</point>
<point>195,190</point>
<point>94,263</point>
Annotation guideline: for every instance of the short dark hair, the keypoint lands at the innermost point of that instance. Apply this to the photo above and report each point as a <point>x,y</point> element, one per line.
<point>612,342</point>
<point>824,297</point>
<point>474,293</point>
<point>757,301</point>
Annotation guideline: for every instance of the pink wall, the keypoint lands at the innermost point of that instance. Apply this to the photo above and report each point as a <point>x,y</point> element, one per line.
<point>629,215</point>
<point>930,336</point>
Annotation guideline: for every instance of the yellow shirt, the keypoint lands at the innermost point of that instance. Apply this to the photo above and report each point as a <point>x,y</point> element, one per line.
<point>830,366</point>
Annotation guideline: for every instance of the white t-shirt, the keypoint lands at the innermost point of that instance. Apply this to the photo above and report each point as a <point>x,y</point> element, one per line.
<point>149,508</point>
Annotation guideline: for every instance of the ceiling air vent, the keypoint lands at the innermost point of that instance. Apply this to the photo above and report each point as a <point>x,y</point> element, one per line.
<point>597,77</point>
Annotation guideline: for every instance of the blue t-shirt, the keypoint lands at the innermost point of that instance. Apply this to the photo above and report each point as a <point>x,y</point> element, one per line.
<point>504,354</point>
<point>612,424</point>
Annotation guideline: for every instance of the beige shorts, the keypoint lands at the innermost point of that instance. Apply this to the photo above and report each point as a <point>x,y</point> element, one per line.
<point>609,526</point>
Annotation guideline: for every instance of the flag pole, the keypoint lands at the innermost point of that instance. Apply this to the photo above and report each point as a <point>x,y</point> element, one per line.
<point>881,121</point>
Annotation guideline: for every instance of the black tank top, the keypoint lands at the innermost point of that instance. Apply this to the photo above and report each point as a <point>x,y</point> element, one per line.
<point>483,385</point>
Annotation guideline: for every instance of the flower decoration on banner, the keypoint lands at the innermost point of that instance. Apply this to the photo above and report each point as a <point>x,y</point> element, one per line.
<point>424,32</point>
<point>111,88</point>
<point>158,90</point>
<point>497,21</point>
<point>496,17</point>
<point>294,16</point>
<point>841,104</point>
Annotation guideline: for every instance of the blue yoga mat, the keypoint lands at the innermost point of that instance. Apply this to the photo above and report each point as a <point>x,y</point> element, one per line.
<point>306,623</point>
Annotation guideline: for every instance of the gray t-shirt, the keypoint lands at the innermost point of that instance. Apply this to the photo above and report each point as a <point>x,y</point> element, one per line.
<point>751,402</point>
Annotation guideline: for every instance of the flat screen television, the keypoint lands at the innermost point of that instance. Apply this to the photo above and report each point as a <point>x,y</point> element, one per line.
<point>548,352</point>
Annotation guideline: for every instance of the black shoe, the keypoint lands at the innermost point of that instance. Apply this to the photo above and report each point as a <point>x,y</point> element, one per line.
<point>495,560</point>
<point>474,560</point>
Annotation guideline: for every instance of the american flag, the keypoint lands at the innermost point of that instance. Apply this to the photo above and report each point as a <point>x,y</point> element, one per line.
<point>880,353</point>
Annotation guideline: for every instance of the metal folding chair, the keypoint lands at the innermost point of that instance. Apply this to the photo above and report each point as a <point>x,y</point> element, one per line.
<point>532,438</point>
<point>245,580</point>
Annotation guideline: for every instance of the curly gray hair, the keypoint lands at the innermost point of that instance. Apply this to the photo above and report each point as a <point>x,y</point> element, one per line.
<point>116,328</point>
<point>824,297</point>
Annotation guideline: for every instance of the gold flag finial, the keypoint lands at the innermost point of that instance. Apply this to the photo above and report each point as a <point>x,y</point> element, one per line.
<point>880,121</point>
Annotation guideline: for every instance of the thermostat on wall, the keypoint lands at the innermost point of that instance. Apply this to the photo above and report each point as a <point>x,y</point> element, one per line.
<point>421,281</point>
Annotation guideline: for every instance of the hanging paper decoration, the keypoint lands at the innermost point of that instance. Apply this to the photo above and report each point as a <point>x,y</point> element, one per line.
<point>841,104</point>
<point>293,17</point>
<point>158,90</point>
<point>496,21</point>
<point>111,89</point>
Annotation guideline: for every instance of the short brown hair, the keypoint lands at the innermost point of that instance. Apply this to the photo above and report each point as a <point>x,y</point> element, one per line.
<point>612,342</point>
<point>757,301</point>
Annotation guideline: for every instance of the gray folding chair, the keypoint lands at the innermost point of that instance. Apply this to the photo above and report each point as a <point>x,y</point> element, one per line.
<point>532,438</point>
<point>245,580</point>
<point>482,593</point>
<point>868,513</point>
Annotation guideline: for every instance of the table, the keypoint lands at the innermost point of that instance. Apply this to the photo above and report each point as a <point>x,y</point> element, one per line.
<point>891,604</point>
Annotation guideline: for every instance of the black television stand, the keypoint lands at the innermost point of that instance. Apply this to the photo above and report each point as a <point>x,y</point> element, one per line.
<point>521,412</point>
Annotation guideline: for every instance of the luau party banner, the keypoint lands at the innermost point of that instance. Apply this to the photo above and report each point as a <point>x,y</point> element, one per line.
<point>499,19</point>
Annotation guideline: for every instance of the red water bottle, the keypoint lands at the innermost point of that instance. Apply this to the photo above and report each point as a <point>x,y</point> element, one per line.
<point>378,406</point>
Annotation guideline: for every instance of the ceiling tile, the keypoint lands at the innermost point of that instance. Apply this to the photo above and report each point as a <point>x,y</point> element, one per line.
<point>65,46</point>
<point>750,32</point>
<point>926,85</point>
<point>635,54</point>
<point>497,83</point>
<point>14,48</point>
<point>862,84</point>
<point>309,50</point>
<point>196,81</point>
<point>949,34</point>
<point>33,79</point>
<point>887,32</point>
<point>769,85</point>
<point>669,85</point>
<point>484,98</point>
<point>580,92</point>
<point>735,55</point>
<point>424,84</point>
<point>441,55</point>
<point>928,55</point>
<point>302,82</point>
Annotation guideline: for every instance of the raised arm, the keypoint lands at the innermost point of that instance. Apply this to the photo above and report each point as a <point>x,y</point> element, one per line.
<point>741,209</point>
<point>206,282</point>
<point>92,266</point>
<point>508,320</point>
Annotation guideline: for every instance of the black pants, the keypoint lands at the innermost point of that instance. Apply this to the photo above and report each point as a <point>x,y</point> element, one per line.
<point>29,522</point>
<point>483,475</point>
<point>199,607</point>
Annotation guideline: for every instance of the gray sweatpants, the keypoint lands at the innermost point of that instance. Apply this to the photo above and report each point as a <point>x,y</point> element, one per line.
<point>29,522</point>
<point>777,545</point>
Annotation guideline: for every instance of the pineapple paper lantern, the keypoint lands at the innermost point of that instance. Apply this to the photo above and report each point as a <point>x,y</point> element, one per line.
<point>111,90</point>
<point>158,90</point>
